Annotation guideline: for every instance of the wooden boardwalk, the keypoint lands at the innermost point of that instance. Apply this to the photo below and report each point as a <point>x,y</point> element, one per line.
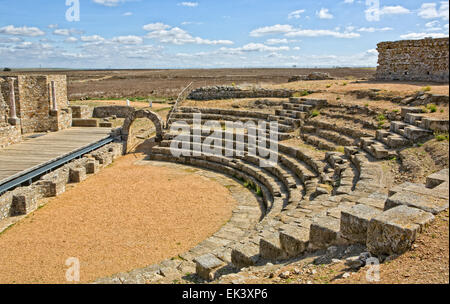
<point>19,159</point>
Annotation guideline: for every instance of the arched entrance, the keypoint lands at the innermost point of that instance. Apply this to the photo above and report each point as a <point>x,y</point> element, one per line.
<point>152,116</point>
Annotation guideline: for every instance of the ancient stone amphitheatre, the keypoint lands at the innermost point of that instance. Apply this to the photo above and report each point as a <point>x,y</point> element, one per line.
<point>136,192</point>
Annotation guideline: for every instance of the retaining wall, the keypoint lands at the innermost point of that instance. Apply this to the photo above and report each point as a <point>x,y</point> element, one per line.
<point>225,92</point>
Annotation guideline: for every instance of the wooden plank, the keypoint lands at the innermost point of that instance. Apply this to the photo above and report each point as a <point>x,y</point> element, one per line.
<point>35,152</point>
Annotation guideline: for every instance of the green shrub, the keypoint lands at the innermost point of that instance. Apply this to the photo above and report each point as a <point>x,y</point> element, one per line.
<point>441,136</point>
<point>432,107</point>
<point>426,89</point>
<point>315,113</point>
<point>301,93</point>
<point>381,117</point>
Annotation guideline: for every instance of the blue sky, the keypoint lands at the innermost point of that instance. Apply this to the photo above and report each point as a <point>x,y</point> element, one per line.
<point>209,33</point>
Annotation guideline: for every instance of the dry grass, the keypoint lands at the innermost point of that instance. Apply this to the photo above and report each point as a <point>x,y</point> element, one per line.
<point>125,217</point>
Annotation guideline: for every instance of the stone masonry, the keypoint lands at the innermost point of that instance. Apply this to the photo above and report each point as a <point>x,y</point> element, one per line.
<point>32,103</point>
<point>228,92</point>
<point>414,60</point>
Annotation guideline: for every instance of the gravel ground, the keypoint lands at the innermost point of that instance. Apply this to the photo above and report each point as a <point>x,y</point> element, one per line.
<point>125,217</point>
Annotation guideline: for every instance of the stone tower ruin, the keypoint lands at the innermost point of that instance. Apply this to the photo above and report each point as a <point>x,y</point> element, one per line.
<point>414,60</point>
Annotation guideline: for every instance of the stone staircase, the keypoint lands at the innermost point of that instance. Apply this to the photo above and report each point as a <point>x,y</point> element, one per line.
<point>331,131</point>
<point>308,203</point>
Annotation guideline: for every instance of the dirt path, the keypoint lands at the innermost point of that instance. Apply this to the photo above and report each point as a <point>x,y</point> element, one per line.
<point>126,217</point>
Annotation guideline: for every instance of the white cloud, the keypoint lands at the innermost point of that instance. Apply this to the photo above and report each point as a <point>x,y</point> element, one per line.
<point>175,35</point>
<point>254,47</point>
<point>290,31</point>
<point>155,27</point>
<point>128,40</point>
<point>423,35</point>
<point>93,38</point>
<point>321,33</point>
<point>279,41</point>
<point>62,32</point>
<point>10,40</point>
<point>128,14</point>
<point>270,30</point>
<point>349,1</point>
<point>71,40</point>
<point>21,31</point>
<point>108,2</point>
<point>432,24</point>
<point>394,10</point>
<point>372,52</point>
<point>188,4</point>
<point>324,14</point>
<point>430,11</point>
<point>296,14</point>
<point>53,26</point>
<point>373,29</point>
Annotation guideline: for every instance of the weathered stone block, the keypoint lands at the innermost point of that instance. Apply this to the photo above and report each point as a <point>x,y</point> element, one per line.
<point>421,201</point>
<point>207,265</point>
<point>245,255</point>
<point>92,166</point>
<point>395,230</point>
<point>355,221</point>
<point>324,232</point>
<point>270,248</point>
<point>77,175</point>
<point>437,178</point>
<point>24,201</point>
<point>105,124</point>
<point>294,241</point>
<point>92,123</point>
<point>377,203</point>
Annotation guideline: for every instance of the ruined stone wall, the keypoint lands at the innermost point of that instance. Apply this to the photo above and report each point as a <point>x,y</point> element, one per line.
<point>108,111</point>
<point>9,135</point>
<point>227,92</point>
<point>60,90</point>
<point>33,96</point>
<point>5,95</point>
<point>414,60</point>
<point>3,105</point>
<point>34,102</point>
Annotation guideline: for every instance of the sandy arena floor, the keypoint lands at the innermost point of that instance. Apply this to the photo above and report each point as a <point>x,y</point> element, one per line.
<point>125,217</point>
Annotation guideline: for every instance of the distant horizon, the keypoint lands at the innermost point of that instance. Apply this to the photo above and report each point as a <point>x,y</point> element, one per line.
<point>190,68</point>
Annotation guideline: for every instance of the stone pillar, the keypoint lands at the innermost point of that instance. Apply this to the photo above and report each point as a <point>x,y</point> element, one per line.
<point>54,104</point>
<point>12,103</point>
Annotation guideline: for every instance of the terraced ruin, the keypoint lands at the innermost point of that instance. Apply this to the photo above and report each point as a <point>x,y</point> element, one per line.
<point>332,190</point>
<point>319,169</point>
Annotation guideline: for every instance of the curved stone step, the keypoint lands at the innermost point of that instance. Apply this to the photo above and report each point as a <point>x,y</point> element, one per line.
<point>319,142</point>
<point>267,195</point>
<point>301,169</point>
<point>287,177</point>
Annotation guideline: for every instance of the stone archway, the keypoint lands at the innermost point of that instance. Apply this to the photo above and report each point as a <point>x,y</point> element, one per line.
<point>152,116</point>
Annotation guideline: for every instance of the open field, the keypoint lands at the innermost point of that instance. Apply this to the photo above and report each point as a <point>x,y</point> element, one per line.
<point>168,83</point>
